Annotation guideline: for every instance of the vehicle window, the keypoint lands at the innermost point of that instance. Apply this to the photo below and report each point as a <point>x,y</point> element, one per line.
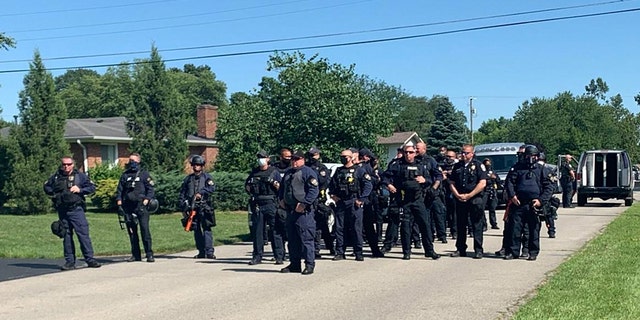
<point>501,162</point>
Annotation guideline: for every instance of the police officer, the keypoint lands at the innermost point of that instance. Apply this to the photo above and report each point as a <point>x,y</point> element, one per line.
<point>370,208</point>
<point>323,212</point>
<point>67,187</point>
<point>433,203</point>
<point>550,218</point>
<point>262,185</point>
<point>491,195</point>
<point>298,195</point>
<point>281,217</point>
<point>567,177</point>
<point>451,158</point>
<point>393,211</point>
<point>197,192</point>
<point>407,180</point>
<point>349,188</point>
<point>467,182</point>
<point>134,191</point>
<point>529,188</point>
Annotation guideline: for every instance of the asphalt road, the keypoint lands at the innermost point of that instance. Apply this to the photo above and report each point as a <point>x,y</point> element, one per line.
<point>179,287</point>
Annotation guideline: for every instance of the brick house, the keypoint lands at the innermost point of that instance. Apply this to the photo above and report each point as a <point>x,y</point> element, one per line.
<point>105,140</point>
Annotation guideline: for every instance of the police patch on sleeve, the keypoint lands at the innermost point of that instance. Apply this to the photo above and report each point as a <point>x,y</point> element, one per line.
<point>313,182</point>
<point>151,183</point>
<point>367,176</point>
<point>210,182</point>
<point>323,173</point>
<point>483,167</point>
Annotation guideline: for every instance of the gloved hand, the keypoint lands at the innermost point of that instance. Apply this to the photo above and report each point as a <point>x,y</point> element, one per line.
<point>121,211</point>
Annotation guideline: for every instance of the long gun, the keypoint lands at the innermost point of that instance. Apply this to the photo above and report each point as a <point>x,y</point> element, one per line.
<point>123,218</point>
<point>192,214</point>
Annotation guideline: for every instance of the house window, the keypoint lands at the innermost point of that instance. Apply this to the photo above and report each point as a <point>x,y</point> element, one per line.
<point>109,154</point>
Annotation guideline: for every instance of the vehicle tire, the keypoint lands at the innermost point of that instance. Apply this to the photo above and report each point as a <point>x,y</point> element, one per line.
<point>628,202</point>
<point>582,200</point>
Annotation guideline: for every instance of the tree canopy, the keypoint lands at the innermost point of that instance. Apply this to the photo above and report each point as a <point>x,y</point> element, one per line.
<point>36,145</point>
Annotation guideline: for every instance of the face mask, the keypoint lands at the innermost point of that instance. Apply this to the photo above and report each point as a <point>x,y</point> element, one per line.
<point>262,162</point>
<point>132,165</point>
<point>344,160</point>
<point>286,161</point>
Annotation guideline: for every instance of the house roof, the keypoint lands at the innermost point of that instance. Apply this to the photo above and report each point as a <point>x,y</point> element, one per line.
<point>110,129</point>
<point>398,138</point>
<point>113,128</point>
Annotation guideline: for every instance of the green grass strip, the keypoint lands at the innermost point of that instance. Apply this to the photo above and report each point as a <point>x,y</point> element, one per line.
<point>601,281</point>
<point>31,237</point>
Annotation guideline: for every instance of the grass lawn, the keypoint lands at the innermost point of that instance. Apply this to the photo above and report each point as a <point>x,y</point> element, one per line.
<point>602,281</point>
<point>31,237</point>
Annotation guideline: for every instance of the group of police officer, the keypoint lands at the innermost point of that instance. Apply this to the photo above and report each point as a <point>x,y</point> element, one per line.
<point>417,193</point>
<point>134,194</point>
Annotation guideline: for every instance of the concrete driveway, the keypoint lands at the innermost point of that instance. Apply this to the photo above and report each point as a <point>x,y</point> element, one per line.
<point>179,287</point>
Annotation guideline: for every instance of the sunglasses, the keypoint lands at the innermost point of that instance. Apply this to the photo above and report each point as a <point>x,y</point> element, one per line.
<point>67,164</point>
<point>409,152</point>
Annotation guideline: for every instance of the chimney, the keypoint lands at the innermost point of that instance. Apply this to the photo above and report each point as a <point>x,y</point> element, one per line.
<point>207,121</point>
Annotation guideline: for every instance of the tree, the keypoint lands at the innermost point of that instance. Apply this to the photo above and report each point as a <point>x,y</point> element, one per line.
<point>246,116</point>
<point>493,131</point>
<point>448,128</point>
<point>157,123</point>
<point>37,144</point>
<point>311,102</point>
<point>416,115</point>
<point>6,42</point>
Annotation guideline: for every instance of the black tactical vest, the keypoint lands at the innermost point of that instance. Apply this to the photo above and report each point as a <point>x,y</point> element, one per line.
<point>196,183</point>
<point>294,189</point>
<point>261,184</point>
<point>133,186</point>
<point>66,197</point>
<point>347,183</point>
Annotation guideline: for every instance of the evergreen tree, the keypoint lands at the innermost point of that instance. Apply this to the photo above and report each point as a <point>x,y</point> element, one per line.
<point>448,128</point>
<point>156,122</point>
<point>36,145</point>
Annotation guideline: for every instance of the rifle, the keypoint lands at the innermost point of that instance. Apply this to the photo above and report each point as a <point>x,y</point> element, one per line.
<point>191,214</point>
<point>125,219</point>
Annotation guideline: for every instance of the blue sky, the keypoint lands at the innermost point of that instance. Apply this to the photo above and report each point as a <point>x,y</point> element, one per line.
<point>499,66</point>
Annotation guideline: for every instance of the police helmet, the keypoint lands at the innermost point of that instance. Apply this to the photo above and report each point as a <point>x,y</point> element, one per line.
<point>197,160</point>
<point>542,156</point>
<point>153,205</point>
<point>531,150</point>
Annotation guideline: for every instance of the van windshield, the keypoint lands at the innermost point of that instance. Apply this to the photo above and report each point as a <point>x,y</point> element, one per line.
<point>501,162</point>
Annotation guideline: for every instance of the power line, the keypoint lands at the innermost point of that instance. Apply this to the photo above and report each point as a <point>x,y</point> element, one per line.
<point>324,35</point>
<point>153,19</point>
<point>84,9</point>
<point>190,24</point>
<point>496,26</point>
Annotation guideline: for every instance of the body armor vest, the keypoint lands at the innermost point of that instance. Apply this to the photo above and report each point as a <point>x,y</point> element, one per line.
<point>261,184</point>
<point>133,186</point>
<point>294,188</point>
<point>66,197</point>
<point>347,183</point>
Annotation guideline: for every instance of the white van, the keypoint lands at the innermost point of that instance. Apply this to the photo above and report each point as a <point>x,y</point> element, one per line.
<point>503,156</point>
<point>605,174</point>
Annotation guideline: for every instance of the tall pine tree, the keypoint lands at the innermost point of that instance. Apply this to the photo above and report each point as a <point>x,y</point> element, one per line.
<point>36,145</point>
<point>448,128</point>
<point>156,122</point>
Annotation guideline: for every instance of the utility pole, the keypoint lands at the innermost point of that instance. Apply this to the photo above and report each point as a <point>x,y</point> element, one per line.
<point>471,113</point>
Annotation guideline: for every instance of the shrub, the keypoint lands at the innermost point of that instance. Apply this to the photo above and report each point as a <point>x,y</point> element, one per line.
<point>105,171</point>
<point>230,193</point>
<point>105,196</point>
